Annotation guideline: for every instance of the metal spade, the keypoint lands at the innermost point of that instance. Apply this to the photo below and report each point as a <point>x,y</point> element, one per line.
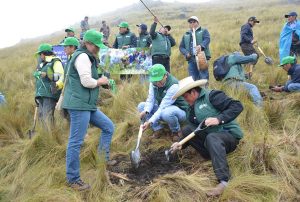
<point>135,156</point>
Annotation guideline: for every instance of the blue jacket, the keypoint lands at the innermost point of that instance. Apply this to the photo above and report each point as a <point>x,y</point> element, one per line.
<point>246,33</point>
<point>294,72</point>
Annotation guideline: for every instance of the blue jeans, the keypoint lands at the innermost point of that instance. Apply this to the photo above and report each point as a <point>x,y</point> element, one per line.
<point>79,121</point>
<point>252,90</point>
<point>293,87</point>
<point>2,99</point>
<point>195,73</point>
<point>172,115</point>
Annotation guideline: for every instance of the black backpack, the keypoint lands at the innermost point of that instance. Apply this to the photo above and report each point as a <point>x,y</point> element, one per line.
<point>221,67</point>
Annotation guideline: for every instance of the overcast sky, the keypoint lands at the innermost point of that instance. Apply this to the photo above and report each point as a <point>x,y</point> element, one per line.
<point>21,19</point>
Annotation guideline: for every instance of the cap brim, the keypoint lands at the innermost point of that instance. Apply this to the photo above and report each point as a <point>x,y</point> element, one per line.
<point>138,25</point>
<point>102,46</point>
<point>155,79</point>
<point>198,83</point>
<point>257,21</point>
<point>286,16</point>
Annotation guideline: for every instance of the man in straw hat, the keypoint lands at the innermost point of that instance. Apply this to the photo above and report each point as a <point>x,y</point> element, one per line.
<point>160,106</point>
<point>217,113</point>
<point>189,52</point>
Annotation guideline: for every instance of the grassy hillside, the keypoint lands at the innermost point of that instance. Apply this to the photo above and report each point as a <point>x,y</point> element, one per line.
<point>265,167</point>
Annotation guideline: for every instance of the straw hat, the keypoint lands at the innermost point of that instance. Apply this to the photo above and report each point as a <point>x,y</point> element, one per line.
<point>187,84</point>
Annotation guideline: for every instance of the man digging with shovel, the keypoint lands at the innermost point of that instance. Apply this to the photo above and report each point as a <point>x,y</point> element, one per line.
<point>221,134</point>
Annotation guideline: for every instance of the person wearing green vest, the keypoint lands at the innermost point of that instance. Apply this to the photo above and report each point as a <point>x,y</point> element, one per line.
<point>49,77</point>
<point>159,105</point>
<point>189,52</point>
<point>80,99</point>
<point>236,75</point>
<point>70,46</point>
<point>70,33</point>
<point>144,40</point>
<point>162,41</point>
<point>125,38</point>
<point>215,113</point>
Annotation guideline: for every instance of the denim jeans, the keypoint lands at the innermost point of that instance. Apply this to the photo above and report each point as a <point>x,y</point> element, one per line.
<point>293,87</point>
<point>2,99</point>
<point>79,121</point>
<point>195,73</point>
<point>46,110</point>
<point>172,115</point>
<point>252,90</point>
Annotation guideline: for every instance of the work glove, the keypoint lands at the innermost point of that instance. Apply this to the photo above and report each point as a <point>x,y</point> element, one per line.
<point>37,74</point>
<point>59,85</point>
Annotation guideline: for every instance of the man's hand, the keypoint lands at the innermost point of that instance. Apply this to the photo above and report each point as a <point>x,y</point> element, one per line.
<point>125,47</point>
<point>188,56</point>
<point>277,89</point>
<point>253,41</point>
<point>175,147</point>
<point>146,125</point>
<point>143,114</point>
<point>155,19</point>
<point>102,81</point>
<point>198,49</point>
<point>212,122</point>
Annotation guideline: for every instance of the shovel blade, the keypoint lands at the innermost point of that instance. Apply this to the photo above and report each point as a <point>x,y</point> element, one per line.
<point>268,61</point>
<point>167,154</point>
<point>135,158</point>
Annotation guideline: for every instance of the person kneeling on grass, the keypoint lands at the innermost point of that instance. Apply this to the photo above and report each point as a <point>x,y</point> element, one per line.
<point>289,64</point>
<point>218,113</point>
<point>80,99</point>
<point>160,106</point>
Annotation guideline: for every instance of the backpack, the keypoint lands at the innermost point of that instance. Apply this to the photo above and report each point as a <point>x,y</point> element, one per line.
<point>221,67</point>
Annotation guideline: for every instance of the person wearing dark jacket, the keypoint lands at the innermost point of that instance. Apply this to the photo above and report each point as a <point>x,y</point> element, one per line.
<point>290,65</point>
<point>247,41</point>
<point>125,38</point>
<point>144,40</point>
<point>220,133</point>
<point>186,48</point>
<point>162,41</point>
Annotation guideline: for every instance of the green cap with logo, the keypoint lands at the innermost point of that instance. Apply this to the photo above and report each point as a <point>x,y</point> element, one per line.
<point>43,48</point>
<point>124,25</point>
<point>94,37</point>
<point>157,72</point>
<point>70,41</point>
<point>70,29</point>
<point>287,60</point>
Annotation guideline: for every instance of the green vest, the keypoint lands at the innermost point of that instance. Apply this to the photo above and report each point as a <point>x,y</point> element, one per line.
<point>161,45</point>
<point>199,40</point>
<point>124,39</point>
<point>142,41</point>
<point>43,85</point>
<point>204,109</point>
<point>236,71</point>
<point>160,93</point>
<point>78,97</point>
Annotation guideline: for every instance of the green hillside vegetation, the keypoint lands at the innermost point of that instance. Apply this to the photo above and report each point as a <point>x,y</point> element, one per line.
<point>265,167</point>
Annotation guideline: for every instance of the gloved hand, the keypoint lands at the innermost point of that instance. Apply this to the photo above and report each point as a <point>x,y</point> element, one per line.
<point>37,74</point>
<point>59,85</point>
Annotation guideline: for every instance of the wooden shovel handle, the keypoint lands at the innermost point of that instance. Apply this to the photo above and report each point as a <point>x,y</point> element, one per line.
<point>187,138</point>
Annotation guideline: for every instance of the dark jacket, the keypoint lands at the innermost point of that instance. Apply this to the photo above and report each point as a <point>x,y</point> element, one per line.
<point>246,34</point>
<point>144,40</point>
<point>294,72</point>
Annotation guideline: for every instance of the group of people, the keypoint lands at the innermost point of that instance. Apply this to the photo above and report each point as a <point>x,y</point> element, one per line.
<point>174,102</point>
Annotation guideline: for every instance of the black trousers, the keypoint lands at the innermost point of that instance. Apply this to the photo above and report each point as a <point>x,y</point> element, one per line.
<point>162,59</point>
<point>248,49</point>
<point>213,146</point>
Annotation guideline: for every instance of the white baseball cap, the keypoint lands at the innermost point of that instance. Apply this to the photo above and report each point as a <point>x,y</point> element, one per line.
<point>193,18</point>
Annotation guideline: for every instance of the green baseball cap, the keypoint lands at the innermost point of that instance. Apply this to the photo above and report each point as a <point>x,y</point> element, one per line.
<point>157,72</point>
<point>44,47</point>
<point>94,37</point>
<point>124,25</point>
<point>70,29</point>
<point>70,41</point>
<point>287,60</point>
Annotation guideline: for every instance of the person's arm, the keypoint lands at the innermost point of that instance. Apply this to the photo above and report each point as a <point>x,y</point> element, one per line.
<point>133,41</point>
<point>115,45</point>
<point>149,41</point>
<point>172,40</point>
<point>183,49</point>
<point>228,107</point>
<point>242,59</point>
<point>166,101</point>
<point>84,69</point>
<point>206,40</point>
<point>153,34</point>
<point>244,34</point>
<point>150,99</point>
<point>59,69</point>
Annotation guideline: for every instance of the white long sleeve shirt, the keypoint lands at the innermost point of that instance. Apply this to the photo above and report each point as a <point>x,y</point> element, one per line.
<point>84,69</point>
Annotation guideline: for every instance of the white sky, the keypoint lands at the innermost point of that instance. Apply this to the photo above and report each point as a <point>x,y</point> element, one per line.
<point>21,19</point>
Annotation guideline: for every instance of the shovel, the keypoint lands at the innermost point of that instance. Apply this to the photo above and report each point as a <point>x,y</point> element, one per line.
<point>32,131</point>
<point>201,127</point>
<point>268,60</point>
<point>135,156</point>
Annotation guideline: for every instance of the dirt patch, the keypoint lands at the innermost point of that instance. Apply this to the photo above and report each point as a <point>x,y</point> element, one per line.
<point>153,164</point>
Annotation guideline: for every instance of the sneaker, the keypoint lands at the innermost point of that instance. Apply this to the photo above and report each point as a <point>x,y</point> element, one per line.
<point>80,185</point>
<point>217,191</point>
